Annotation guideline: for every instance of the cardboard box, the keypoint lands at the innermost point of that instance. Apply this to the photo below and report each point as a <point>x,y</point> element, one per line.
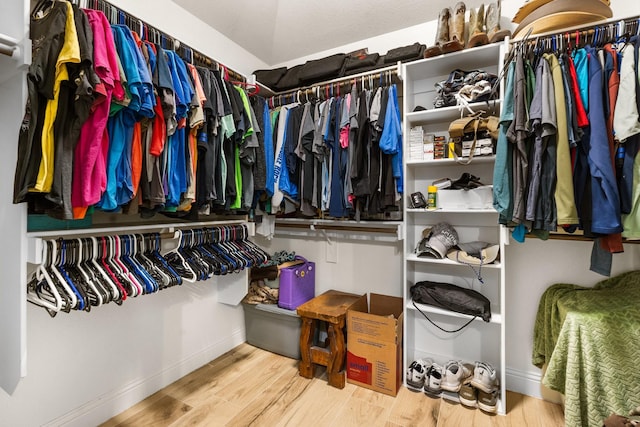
<point>374,345</point>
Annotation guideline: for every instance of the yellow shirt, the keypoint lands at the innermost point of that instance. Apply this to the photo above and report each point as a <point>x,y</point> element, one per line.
<point>70,53</point>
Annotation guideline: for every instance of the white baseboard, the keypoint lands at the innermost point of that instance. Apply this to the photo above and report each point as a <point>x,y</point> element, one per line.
<point>524,382</point>
<point>110,404</point>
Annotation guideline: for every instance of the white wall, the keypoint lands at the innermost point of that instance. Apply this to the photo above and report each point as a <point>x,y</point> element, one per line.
<point>176,22</point>
<point>362,266</point>
<point>84,368</point>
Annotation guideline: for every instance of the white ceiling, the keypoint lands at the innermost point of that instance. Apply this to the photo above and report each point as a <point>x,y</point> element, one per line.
<point>277,31</point>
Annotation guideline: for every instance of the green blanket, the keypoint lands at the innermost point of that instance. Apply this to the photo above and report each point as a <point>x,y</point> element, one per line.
<point>589,338</point>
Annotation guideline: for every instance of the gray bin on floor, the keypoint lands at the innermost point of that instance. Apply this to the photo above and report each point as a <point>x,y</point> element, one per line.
<point>273,328</point>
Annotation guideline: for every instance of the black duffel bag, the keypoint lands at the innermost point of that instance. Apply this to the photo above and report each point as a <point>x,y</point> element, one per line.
<point>270,78</point>
<point>453,298</point>
<point>290,80</point>
<point>361,61</point>
<point>405,53</point>
<point>318,70</point>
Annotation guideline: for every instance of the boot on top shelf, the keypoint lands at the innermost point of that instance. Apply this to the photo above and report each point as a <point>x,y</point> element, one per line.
<point>442,34</point>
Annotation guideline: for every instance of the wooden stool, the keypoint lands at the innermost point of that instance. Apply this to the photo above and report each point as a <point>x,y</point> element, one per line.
<point>330,307</point>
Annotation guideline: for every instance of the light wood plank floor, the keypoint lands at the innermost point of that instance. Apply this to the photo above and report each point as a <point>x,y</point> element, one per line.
<point>251,387</point>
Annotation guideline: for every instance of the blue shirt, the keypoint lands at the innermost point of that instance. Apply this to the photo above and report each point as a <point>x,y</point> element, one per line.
<point>604,188</point>
<point>267,131</point>
<point>391,138</point>
<point>581,63</point>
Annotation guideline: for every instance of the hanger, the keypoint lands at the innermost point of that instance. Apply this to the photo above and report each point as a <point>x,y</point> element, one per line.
<point>252,89</point>
<point>150,247</point>
<point>160,278</point>
<point>112,270</point>
<point>102,285</point>
<point>178,263</point>
<point>61,268</point>
<point>95,295</point>
<point>135,269</point>
<point>117,292</point>
<point>41,290</point>
<point>41,8</point>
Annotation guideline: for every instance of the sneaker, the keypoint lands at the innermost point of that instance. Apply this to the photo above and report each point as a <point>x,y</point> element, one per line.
<point>488,402</point>
<point>468,395</point>
<point>416,373</point>
<point>455,374</point>
<point>484,377</point>
<point>433,381</point>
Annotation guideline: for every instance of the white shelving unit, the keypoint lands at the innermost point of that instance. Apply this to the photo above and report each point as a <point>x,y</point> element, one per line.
<point>480,341</point>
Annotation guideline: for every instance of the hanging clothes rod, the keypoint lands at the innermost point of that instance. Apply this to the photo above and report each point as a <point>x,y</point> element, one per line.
<point>8,45</point>
<point>379,72</point>
<point>610,28</point>
<point>116,16</point>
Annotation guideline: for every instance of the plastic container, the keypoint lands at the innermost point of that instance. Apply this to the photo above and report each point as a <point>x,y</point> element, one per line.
<point>273,329</point>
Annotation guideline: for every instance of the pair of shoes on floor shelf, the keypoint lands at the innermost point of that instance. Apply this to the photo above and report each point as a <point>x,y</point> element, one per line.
<point>481,391</point>
<point>433,379</point>
<point>483,28</point>
<point>425,375</point>
<point>477,386</point>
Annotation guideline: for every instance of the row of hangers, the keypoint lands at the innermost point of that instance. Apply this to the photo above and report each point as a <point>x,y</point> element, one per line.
<point>81,273</point>
<point>615,33</point>
<point>77,274</point>
<point>205,252</point>
<point>329,90</point>
<point>146,32</point>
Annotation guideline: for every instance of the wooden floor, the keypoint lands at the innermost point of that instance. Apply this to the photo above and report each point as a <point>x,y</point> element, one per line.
<point>252,387</point>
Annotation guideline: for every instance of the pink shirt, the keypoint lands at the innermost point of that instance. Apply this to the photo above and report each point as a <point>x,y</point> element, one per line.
<point>90,157</point>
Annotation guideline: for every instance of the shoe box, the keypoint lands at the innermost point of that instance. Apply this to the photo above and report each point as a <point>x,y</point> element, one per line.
<point>374,345</point>
<point>273,329</point>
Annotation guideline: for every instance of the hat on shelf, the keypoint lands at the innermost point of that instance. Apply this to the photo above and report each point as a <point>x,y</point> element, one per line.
<point>531,5</point>
<point>474,253</point>
<point>437,241</point>
<point>550,15</point>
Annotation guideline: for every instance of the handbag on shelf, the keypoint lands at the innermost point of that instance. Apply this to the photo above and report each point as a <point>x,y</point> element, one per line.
<point>473,135</point>
<point>297,283</point>
<point>453,298</point>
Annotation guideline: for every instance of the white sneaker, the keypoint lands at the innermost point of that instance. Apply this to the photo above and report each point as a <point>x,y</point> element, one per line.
<point>455,374</point>
<point>416,373</point>
<point>484,377</point>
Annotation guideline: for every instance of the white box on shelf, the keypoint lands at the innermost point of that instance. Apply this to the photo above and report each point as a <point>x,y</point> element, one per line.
<point>477,198</point>
<point>428,151</point>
